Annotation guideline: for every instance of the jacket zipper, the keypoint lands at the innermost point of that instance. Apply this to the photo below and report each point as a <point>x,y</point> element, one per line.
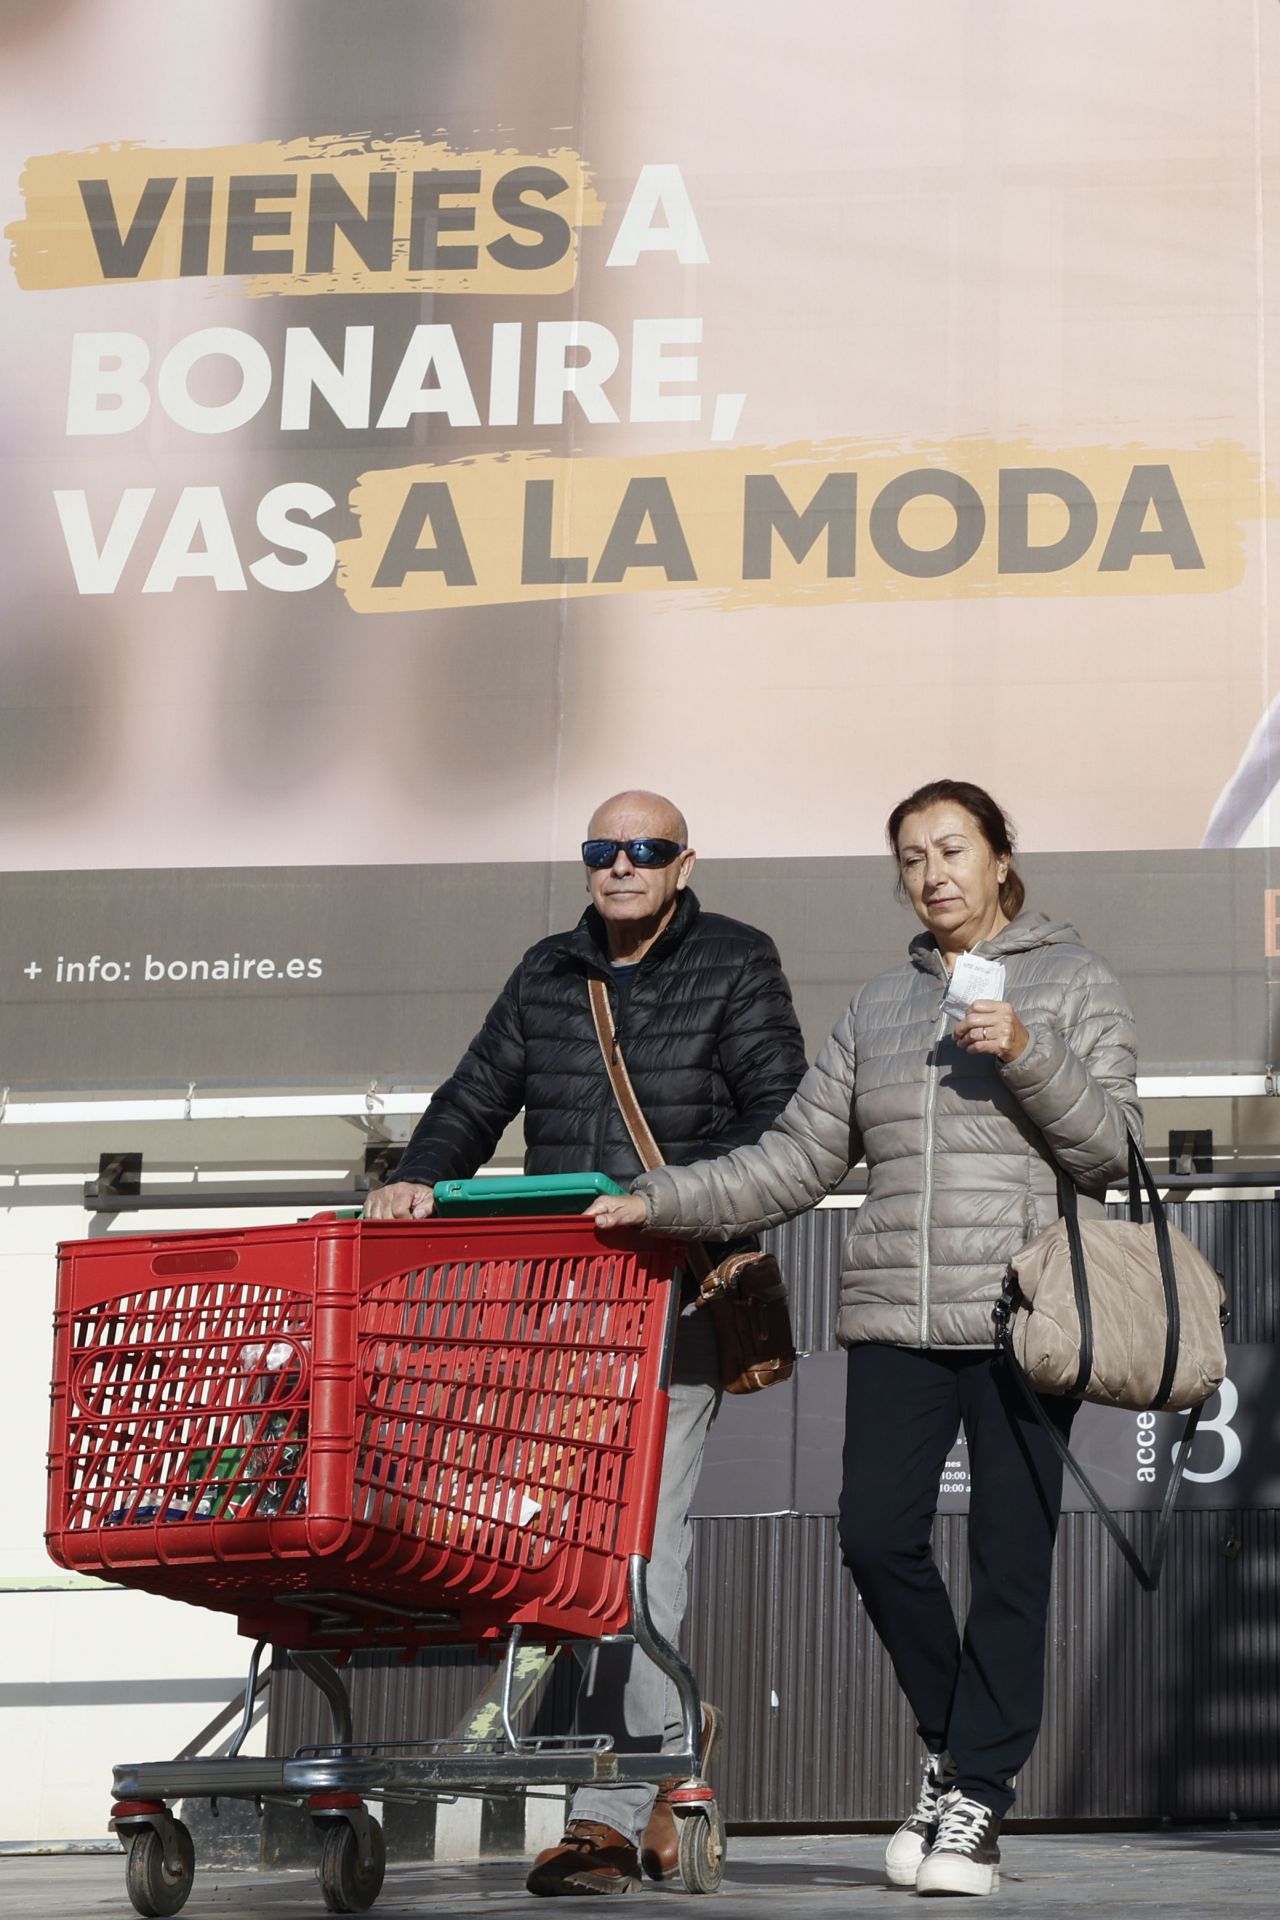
<point>926,1195</point>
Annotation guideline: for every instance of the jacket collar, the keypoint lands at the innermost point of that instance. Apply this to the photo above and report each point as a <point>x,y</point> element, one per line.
<point>587,943</point>
<point>1027,931</point>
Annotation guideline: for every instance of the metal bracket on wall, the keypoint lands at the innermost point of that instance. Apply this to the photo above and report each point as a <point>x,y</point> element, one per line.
<point>379,1159</point>
<point>119,1177</point>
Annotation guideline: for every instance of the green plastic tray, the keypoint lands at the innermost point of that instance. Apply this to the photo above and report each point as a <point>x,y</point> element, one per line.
<point>523,1193</point>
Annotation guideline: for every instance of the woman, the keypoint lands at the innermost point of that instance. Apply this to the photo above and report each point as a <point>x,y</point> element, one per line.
<point>961,1119</point>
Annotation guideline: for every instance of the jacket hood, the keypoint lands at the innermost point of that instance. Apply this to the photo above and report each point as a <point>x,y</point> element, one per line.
<point>589,942</point>
<point>1023,935</point>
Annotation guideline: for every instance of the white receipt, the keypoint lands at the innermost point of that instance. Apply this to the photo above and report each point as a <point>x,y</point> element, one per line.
<point>973,978</point>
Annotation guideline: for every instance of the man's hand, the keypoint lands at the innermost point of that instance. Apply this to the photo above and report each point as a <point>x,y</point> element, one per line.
<point>402,1200</point>
<point>618,1210</point>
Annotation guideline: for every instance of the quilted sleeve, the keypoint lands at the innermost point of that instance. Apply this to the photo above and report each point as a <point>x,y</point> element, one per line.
<point>1077,1082</point>
<point>806,1151</point>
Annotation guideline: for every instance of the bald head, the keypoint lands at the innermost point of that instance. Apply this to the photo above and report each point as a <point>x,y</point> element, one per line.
<point>637,902</point>
<point>636,814</point>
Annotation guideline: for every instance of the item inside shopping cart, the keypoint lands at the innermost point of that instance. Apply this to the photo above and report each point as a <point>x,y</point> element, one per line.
<point>357,1435</point>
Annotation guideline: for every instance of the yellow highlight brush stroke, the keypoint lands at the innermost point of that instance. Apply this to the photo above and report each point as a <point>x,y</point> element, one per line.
<point>53,245</point>
<point>1219,484</point>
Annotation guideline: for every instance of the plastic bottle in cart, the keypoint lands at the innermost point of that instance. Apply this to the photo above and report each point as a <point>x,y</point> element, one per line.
<point>270,1482</point>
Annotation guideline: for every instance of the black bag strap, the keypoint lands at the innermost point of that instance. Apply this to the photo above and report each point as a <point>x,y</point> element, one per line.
<point>1140,1176</point>
<point>1069,1208</point>
<point>1148,1577</point>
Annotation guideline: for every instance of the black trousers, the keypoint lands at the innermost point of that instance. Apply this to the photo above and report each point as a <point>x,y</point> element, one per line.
<point>980,1697</point>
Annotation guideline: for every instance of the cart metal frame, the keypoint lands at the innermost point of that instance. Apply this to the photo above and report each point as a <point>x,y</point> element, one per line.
<point>334,1781</point>
<point>412,1769</point>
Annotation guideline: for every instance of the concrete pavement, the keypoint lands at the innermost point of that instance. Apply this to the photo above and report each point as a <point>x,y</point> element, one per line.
<point>1175,1873</point>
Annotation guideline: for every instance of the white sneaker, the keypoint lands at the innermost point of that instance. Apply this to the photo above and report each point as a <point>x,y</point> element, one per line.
<point>964,1857</point>
<point>914,1837</point>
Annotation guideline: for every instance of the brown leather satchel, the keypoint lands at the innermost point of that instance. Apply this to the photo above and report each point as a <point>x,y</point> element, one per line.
<point>745,1292</point>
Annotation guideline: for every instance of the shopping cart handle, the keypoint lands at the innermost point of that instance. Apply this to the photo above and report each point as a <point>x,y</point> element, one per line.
<point>523,1193</point>
<point>508,1194</point>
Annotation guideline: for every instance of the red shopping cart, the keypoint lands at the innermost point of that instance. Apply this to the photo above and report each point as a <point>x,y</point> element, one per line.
<point>353,1435</point>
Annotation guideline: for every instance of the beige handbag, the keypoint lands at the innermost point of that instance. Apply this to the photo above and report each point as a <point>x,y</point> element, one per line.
<point>745,1292</point>
<point>1126,1313</point>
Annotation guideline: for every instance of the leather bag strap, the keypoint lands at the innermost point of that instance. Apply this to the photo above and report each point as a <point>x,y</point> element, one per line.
<point>1148,1576</point>
<point>650,1155</point>
<point>619,1079</point>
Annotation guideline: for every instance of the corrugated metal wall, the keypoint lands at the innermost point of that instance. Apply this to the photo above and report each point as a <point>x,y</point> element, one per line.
<point>1161,1705</point>
<point>1164,1705</point>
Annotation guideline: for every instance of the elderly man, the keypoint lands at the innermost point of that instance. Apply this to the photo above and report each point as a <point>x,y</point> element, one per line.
<point>704,1018</point>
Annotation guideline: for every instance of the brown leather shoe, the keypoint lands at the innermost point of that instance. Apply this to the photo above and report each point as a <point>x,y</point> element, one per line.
<point>591,1858</point>
<point>660,1842</point>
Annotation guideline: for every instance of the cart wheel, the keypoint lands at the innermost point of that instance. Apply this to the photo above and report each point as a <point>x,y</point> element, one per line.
<point>148,1881</point>
<point>346,1888</point>
<point>702,1849</point>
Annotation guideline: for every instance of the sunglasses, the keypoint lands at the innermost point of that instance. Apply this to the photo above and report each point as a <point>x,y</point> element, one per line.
<point>599,854</point>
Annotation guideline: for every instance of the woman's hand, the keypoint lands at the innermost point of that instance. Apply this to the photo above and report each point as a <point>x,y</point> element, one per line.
<point>618,1210</point>
<point>992,1026</point>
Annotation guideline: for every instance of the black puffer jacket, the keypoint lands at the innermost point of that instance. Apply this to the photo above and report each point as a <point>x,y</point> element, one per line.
<point>709,1034</point>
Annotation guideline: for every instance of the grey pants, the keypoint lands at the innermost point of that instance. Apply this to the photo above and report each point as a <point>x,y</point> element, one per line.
<point>623,1693</point>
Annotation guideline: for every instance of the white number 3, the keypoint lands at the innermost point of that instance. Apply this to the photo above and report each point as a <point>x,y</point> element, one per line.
<point>1228,1401</point>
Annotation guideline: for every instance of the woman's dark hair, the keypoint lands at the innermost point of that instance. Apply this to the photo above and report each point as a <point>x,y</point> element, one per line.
<point>994,822</point>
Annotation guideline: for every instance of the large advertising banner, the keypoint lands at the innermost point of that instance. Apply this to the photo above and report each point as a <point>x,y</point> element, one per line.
<point>422,420</point>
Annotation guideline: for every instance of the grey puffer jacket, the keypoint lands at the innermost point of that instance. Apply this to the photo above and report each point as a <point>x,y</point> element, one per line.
<point>958,1145</point>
